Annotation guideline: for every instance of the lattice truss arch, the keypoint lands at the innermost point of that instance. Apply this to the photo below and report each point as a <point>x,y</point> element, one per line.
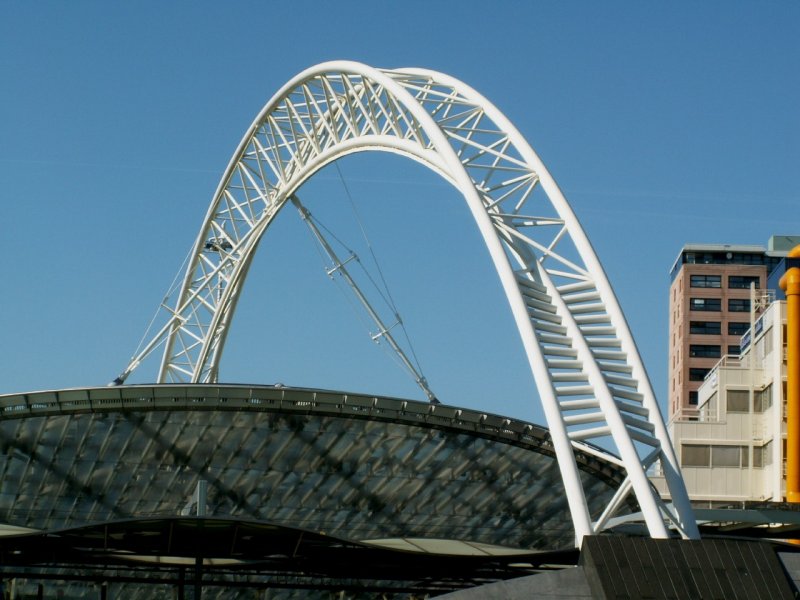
<point>588,372</point>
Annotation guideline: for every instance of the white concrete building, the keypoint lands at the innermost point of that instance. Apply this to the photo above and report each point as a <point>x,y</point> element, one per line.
<point>731,445</point>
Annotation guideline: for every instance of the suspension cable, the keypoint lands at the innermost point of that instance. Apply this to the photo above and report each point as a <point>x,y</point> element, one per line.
<point>170,290</point>
<point>388,297</point>
<point>139,355</point>
<point>383,331</point>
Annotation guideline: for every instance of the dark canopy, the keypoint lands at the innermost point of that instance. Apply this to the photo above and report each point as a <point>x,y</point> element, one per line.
<point>409,476</point>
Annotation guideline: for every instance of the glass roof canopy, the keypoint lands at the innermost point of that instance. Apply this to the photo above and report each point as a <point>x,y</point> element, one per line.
<point>360,468</point>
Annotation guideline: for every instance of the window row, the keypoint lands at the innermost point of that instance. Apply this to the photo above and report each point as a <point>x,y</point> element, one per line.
<point>701,455</point>
<point>737,328</point>
<point>725,258</point>
<point>738,401</point>
<point>704,351</point>
<point>705,327</point>
<point>742,282</point>
<point>697,455</point>
<point>710,351</point>
<point>705,281</point>
<point>715,304</point>
<point>739,304</point>
<point>715,327</point>
<point>737,282</point>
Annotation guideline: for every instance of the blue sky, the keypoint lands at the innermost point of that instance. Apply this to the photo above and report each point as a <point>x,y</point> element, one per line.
<point>664,123</point>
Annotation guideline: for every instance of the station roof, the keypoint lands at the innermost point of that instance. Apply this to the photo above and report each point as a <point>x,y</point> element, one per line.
<point>398,474</point>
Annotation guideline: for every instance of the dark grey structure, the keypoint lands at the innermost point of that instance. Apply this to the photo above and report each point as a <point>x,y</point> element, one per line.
<point>615,567</point>
<point>300,489</point>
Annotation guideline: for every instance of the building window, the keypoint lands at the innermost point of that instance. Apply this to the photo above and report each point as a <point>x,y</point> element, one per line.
<point>704,351</point>
<point>692,398</point>
<point>698,374</point>
<point>764,344</point>
<point>742,258</point>
<point>742,282</point>
<point>729,456</point>
<point>739,304</point>
<point>762,455</point>
<point>734,350</point>
<point>738,401</point>
<point>705,327</point>
<point>705,281</point>
<point>695,456</point>
<point>711,403</point>
<point>705,304</point>
<point>762,400</point>
<point>737,328</point>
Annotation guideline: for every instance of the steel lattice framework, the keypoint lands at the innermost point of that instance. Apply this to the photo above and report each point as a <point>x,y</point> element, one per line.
<point>589,376</point>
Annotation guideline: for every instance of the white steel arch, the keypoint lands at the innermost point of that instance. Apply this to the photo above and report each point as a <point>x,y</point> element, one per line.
<point>588,372</point>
